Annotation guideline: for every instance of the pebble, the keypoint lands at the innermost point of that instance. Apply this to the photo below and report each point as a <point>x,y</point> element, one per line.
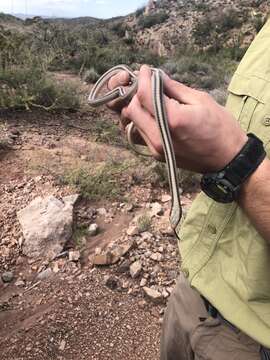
<point>156,257</point>
<point>133,230</point>
<point>93,229</point>
<point>111,282</point>
<point>153,294</point>
<point>135,269</point>
<point>7,276</point>
<point>74,255</point>
<point>45,274</point>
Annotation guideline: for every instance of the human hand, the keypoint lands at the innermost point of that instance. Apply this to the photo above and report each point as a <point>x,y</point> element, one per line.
<point>205,135</point>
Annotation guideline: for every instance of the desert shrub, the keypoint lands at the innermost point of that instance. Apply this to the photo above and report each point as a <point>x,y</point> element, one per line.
<point>148,21</point>
<point>144,223</point>
<point>99,183</point>
<point>106,131</point>
<point>192,69</point>
<point>119,28</point>
<point>90,76</point>
<point>25,88</point>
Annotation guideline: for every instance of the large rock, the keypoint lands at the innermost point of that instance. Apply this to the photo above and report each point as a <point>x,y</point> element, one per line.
<point>47,226</point>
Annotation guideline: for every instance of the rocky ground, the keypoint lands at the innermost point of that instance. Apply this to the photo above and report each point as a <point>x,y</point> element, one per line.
<point>103,295</point>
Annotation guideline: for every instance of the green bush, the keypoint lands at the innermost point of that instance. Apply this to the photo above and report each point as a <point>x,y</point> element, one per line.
<point>90,76</point>
<point>98,184</point>
<point>25,88</point>
<point>148,21</point>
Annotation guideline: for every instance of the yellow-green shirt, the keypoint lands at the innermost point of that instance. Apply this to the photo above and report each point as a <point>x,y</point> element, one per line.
<point>223,256</point>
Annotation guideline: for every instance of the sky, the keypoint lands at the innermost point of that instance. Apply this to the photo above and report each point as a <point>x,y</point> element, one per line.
<point>71,8</point>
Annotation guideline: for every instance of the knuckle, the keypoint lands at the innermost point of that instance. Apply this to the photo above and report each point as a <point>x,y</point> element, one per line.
<point>204,96</point>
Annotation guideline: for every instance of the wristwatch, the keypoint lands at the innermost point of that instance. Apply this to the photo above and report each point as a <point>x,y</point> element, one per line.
<point>224,186</point>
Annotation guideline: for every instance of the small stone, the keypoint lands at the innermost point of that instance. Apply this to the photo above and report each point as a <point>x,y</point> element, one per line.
<point>98,251</point>
<point>133,230</point>
<point>45,274</point>
<point>166,198</point>
<point>7,276</point>
<point>156,257</point>
<point>146,235</point>
<point>143,282</point>
<point>156,209</point>
<point>102,211</point>
<point>153,295</point>
<point>165,294</point>
<point>102,259</point>
<point>74,255</point>
<point>135,269</point>
<point>19,283</point>
<point>124,267</point>
<point>62,345</point>
<point>142,304</point>
<point>93,229</point>
<point>111,282</point>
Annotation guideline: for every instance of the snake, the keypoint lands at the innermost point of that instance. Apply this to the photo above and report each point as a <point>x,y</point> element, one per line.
<point>125,95</point>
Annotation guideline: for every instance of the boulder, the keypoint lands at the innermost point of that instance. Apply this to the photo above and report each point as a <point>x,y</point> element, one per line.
<point>47,226</point>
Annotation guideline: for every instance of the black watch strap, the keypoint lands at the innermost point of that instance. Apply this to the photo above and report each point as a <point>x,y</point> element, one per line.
<point>247,161</point>
<point>224,185</point>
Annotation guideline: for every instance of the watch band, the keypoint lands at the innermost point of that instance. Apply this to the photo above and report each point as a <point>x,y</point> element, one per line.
<point>247,161</point>
<point>224,185</point>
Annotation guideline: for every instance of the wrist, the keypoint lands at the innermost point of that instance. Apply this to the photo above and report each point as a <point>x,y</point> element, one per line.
<point>253,183</point>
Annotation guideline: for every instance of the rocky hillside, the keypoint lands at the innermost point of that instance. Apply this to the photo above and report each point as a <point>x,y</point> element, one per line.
<point>167,25</point>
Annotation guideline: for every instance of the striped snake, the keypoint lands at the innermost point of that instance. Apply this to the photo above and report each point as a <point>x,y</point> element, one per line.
<point>125,95</point>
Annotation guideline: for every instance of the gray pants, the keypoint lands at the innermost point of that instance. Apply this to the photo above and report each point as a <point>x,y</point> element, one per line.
<point>189,333</point>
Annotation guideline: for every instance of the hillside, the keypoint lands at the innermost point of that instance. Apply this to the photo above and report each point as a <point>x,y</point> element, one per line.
<point>167,25</point>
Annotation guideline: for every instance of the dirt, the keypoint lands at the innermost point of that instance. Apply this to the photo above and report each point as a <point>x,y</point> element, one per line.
<point>76,313</point>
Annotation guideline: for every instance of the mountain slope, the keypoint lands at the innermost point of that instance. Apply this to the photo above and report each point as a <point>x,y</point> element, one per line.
<point>166,25</point>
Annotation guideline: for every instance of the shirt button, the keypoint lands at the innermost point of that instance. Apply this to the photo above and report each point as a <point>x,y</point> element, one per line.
<point>185,272</point>
<point>212,229</point>
<point>266,121</point>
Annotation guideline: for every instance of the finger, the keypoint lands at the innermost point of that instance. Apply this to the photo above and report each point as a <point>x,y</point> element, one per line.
<point>181,93</point>
<point>137,138</point>
<point>120,79</point>
<point>118,104</point>
<point>144,93</point>
<point>146,125</point>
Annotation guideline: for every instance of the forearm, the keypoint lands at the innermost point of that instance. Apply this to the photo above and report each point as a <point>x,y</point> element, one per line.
<point>255,199</point>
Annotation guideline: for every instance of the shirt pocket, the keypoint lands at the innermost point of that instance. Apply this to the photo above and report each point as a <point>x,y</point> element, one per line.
<point>249,101</point>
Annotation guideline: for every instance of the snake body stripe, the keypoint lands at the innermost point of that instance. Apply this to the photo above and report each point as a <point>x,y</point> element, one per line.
<point>122,94</point>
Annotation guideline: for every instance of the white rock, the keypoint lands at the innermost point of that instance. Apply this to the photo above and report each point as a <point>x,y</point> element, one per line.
<point>156,257</point>
<point>74,255</point>
<point>135,269</point>
<point>45,274</point>
<point>143,282</point>
<point>102,211</point>
<point>132,230</point>
<point>156,209</point>
<point>93,229</point>
<point>153,295</point>
<point>47,226</point>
